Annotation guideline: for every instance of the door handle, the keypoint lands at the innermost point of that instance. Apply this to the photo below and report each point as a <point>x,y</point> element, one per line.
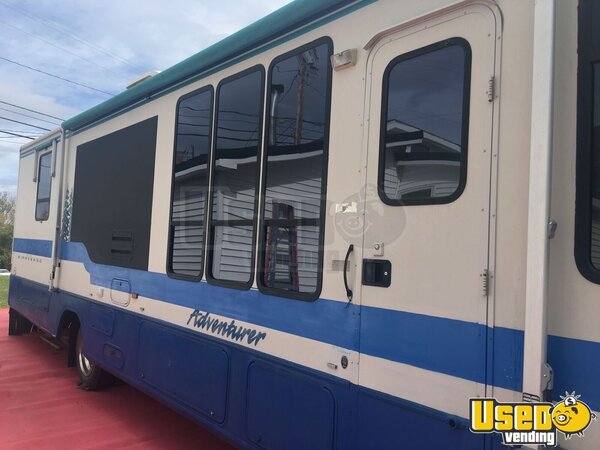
<point>377,272</point>
<point>346,260</point>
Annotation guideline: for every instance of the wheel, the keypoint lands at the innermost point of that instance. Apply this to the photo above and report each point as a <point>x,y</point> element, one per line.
<point>91,377</point>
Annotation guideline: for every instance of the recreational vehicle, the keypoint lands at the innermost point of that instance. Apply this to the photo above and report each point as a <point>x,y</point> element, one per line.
<point>344,226</point>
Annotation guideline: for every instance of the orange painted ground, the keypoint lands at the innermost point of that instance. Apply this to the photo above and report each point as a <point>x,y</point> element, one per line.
<point>42,408</point>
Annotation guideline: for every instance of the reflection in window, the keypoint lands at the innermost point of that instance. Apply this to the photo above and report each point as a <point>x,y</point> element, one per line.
<point>238,133</point>
<point>295,165</point>
<point>425,112</point>
<point>190,184</point>
<point>42,204</point>
<point>595,228</point>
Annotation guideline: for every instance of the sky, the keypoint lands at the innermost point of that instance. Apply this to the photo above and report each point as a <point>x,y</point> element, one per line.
<point>101,45</point>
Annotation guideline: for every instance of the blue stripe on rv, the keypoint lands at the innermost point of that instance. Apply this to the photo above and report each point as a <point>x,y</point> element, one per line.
<point>38,247</point>
<point>452,347</point>
<point>576,365</point>
<point>246,394</point>
<point>438,344</point>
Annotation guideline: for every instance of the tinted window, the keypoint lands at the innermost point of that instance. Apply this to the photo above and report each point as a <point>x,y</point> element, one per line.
<point>587,204</point>
<point>424,124</point>
<point>595,200</point>
<point>112,195</point>
<point>42,205</point>
<point>190,184</point>
<point>235,175</point>
<point>295,167</point>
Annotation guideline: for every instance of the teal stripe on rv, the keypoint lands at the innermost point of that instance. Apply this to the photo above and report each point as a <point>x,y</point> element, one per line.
<point>283,21</point>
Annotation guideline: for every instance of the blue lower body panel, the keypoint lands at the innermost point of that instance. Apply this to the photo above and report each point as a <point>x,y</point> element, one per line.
<point>253,399</point>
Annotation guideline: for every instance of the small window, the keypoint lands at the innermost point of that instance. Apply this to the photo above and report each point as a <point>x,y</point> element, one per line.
<point>190,184</point>
<point>42,204</point>
<point>295,167</point>
<point>424,125</point>
<point>238,128</point>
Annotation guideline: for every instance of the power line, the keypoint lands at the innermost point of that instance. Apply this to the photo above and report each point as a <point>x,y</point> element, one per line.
<point>27,131</point>
<point>62,49</point>
<point>62,29</point>
<point>56,76</point>
<point>6,140</point>
<point>24,123</point>
<point>27,115</point>
<point>31,110</point>
<point>18,135</point>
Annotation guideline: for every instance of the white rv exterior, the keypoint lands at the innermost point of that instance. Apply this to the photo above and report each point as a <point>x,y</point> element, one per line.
<point>443,322</point>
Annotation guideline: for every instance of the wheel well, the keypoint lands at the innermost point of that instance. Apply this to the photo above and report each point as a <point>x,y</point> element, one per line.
<point>67,332</point>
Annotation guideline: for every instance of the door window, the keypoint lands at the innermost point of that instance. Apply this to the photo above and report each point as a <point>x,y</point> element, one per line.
<point>423,148</point>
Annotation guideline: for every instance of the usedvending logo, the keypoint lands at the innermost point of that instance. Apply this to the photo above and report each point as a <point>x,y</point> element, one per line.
<point>531,423</point>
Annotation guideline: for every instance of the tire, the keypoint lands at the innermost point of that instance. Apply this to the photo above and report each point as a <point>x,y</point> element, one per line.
<point>91,377</point>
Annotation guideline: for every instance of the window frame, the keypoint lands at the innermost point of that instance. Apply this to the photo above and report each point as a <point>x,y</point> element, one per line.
<point>169,262</point>
<point>309,297</point>
<point>588,56</point>
<point>466,103</point>
<point>209,221</point>
<point>41,156</point>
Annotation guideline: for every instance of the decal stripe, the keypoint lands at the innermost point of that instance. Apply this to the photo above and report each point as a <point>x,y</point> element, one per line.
<point>576,365</point>
<point>37,247</point>
<point>434,343</point>
<point>448,346</point>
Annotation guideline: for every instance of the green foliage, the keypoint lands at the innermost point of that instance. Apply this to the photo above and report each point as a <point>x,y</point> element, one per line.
<point>4,282</point>
<point>6,238</point>
<point>7,209</point>
<point>7,219</point>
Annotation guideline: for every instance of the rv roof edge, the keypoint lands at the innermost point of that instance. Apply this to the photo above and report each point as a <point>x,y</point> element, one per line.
<point>42,141</point>
<point>535,379</point>
<point>278,23</point>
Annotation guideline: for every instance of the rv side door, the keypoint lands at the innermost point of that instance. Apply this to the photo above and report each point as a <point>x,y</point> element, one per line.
<point>427,211</point>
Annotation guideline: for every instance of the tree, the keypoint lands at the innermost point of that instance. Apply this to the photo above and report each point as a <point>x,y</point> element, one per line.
<point>7,220</point>
<point>6,238</point>
<point>7,209</point>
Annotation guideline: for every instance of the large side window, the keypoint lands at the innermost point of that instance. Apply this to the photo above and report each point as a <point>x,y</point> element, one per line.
<point>587,222</point>
<point>424,125</point>
<point>190,184</point>
<point>295,167</point>
<point>238,127</point>
<point>44,187</point>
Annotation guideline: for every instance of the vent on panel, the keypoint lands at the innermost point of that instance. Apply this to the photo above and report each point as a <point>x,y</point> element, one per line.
<point>121,244</point>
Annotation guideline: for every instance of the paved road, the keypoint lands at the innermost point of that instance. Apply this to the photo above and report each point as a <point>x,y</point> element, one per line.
<point>41,407</point>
